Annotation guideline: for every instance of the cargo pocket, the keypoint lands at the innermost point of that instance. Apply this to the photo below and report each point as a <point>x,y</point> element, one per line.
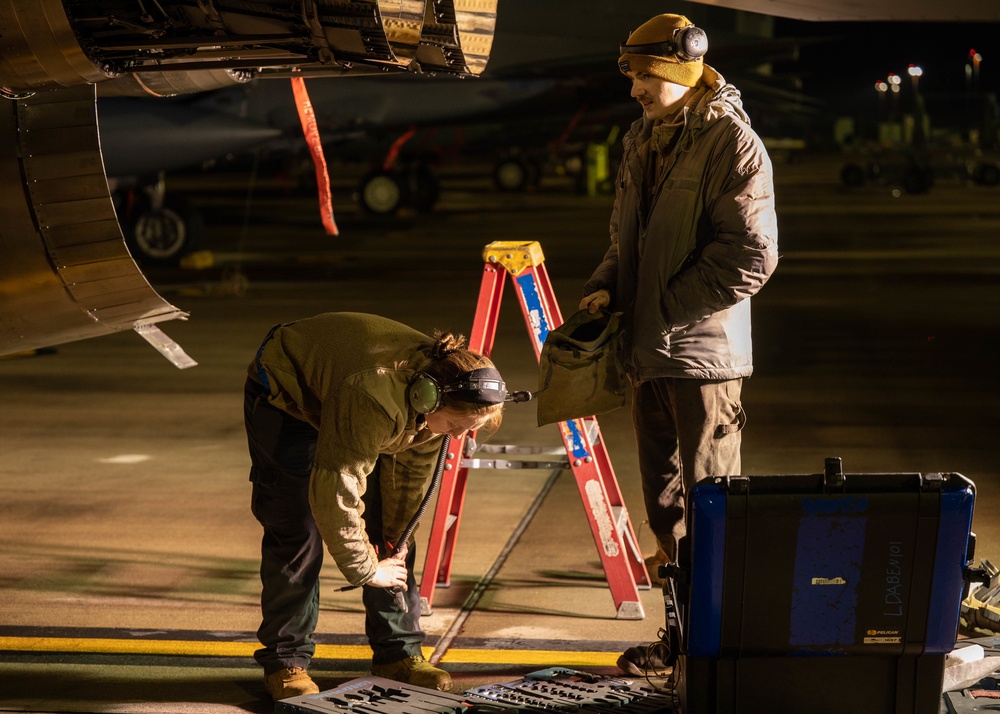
<point>740,420</point>
<point>264,477</point>
<point>280,446</point>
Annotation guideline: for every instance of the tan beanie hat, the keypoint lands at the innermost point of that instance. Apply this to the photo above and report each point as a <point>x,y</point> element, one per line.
<point>653,49</point>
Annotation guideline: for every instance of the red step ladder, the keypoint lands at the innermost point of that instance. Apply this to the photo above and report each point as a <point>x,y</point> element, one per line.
<point>587,455</point>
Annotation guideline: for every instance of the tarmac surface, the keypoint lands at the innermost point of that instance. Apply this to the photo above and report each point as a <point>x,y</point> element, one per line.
<point>128,551</point>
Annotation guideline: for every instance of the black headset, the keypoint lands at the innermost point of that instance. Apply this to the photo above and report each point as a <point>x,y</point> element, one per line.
<point>480,386</point>
<point>687,44</point>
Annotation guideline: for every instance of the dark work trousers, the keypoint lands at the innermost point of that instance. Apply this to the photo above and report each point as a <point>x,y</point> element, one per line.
<point>686,430</point>
<point>282,450</point>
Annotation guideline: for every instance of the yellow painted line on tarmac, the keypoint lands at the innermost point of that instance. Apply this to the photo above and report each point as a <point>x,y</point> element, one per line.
<point>246,649</point>
<point>100,645</point>
<point>342,651</point>
<point>548,658</point>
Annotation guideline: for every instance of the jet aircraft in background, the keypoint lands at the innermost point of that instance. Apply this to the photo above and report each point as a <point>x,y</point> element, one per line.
<point>67,274</point>
<point>548,91</point>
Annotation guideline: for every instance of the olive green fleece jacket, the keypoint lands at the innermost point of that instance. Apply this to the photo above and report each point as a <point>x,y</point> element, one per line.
<point>347,374</point>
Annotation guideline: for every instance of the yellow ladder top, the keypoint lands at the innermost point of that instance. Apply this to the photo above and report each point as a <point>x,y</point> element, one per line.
<point>515,256</point>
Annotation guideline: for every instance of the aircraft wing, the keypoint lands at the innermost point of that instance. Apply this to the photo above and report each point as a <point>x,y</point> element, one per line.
<point>67,274</point>
<point>868,10</point>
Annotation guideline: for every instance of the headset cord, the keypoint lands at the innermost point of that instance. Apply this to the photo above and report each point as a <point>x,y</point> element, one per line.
<point>398,593</point>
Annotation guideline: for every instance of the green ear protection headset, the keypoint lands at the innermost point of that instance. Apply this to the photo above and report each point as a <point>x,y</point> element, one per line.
<point>480,386</point>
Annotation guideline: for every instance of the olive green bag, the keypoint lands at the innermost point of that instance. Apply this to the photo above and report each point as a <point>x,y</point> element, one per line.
<point>581,368</point>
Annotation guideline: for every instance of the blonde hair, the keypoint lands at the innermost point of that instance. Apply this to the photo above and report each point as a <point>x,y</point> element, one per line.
<point>449,360</point>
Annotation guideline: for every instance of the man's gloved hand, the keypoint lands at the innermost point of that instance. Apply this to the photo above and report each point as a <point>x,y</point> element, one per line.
<point>390,573</point>
<point>595,301</point>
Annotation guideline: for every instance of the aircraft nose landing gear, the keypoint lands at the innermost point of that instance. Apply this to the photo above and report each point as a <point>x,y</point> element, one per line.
<point>159,229</point>
<point>383,192</point>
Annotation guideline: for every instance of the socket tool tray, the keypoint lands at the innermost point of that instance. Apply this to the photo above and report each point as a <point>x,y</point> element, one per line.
<point>550,690</point>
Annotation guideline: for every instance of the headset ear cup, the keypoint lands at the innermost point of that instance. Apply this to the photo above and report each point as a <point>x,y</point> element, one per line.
<point>424,394</point>
<point>692,43</point>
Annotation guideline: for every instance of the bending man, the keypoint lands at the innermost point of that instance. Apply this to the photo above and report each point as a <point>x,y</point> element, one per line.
<point>345,415</point>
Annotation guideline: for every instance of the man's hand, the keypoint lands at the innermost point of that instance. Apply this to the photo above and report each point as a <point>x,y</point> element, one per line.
<point>389,573</point>
<point>595,301</point>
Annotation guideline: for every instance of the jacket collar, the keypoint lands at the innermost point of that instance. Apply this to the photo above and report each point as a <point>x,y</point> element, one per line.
<point>722,98</point>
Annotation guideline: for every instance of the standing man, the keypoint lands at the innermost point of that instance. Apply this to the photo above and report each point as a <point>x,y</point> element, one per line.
<point>693,236</point>
<point>345,415</point>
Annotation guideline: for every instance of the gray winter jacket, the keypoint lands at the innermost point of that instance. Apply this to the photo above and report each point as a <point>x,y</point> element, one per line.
<point>683,265</point>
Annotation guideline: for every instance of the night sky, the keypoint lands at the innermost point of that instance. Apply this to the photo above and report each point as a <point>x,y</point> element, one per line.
<point>847,68</point>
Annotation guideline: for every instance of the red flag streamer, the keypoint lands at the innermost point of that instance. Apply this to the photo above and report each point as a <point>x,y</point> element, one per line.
<point>390,157</point>
<point>311,131</point>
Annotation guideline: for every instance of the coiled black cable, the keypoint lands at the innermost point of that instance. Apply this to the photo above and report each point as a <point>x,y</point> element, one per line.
<point>422,508</point>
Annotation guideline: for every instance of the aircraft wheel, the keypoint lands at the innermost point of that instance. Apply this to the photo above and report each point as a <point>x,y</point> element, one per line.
<point>515,174</point>
<point>162,236</point>
<point>382,193</point>
<point>852,176</point>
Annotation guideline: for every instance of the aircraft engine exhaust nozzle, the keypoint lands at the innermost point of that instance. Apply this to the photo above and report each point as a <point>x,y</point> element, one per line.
<point>168,48</point>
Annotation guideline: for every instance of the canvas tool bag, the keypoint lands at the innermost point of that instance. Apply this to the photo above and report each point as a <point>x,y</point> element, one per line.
<point>581,368</point>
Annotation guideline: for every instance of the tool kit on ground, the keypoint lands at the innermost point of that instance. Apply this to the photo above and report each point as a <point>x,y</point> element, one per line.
<point>550,690</point>
<point>846,588</point>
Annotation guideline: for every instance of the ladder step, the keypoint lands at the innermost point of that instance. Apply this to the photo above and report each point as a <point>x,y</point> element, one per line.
<point>506,464</point>
<point>516,449</point>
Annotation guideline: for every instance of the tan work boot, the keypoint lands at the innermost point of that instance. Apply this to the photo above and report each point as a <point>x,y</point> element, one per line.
<point>653,563</point>
<point>289,682</point>
<point>415,670</point>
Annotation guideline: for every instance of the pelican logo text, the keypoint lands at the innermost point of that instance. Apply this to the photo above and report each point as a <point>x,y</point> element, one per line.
<point>894,581</point>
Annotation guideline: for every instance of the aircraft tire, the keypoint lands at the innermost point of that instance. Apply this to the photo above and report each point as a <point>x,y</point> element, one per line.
<point>162,237</point>
<point>515,174</point>
<point>382,192</point>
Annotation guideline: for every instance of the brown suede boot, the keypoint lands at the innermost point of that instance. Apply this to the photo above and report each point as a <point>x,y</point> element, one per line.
<point>653,563</point>
<point>415,670</point>
<point>289,682</point>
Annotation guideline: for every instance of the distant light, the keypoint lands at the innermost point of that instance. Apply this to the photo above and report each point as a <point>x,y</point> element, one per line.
<point>894,79</point>
<point>881,86</point>
<point>914,71</point>
<point>895,89</point>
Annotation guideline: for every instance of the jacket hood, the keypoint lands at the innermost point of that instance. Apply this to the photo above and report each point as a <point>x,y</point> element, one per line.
<point>723,99</point>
